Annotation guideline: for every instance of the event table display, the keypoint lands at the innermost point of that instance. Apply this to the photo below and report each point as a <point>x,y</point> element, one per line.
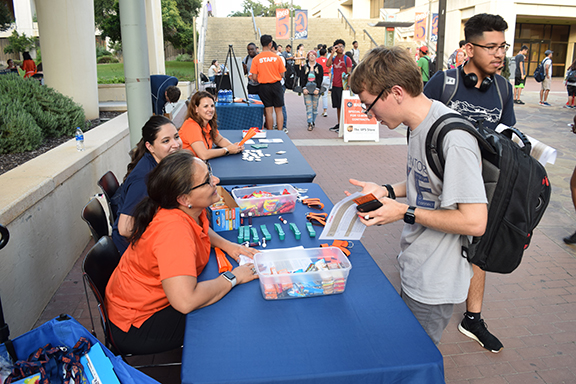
<point>239,115</point>
<point>364,335</point>
<point>232,170</point>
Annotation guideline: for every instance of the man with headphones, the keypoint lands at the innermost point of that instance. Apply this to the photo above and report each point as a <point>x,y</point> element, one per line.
<point>478,94</point>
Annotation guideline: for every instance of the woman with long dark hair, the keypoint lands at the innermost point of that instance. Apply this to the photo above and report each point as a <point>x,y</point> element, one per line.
<point>159,138</point>
<point>571,85</point>
<point>155,284</point>
<point>199,132</point>
<point>28,65</point>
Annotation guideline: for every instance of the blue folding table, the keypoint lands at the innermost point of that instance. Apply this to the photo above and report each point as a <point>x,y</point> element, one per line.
<point>364,335</point>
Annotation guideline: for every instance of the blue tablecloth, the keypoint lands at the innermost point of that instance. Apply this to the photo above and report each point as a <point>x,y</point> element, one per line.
<point>232,170</point>
<point>364,335</point>
<point>239,115</point>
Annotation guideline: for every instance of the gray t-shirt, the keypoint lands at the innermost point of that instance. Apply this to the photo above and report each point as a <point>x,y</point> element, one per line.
<point>432,268</point>
<point>519,62</point>
<point>248,62</point>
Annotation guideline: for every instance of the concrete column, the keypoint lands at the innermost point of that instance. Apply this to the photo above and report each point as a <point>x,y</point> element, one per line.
<point>155,36</point>
<point>69,50</point>
<point>136,67</point>
<point>23,15</point>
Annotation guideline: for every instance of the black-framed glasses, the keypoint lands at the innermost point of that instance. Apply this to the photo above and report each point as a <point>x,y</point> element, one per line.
<point>366,109</point>
<point>208,180</point>
<point>492,49</point>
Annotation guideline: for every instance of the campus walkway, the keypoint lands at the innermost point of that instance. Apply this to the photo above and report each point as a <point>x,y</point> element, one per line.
<point>532,310</point>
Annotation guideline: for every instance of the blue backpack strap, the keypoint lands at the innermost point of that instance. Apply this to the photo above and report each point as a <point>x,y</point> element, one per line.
<point>450,85</point>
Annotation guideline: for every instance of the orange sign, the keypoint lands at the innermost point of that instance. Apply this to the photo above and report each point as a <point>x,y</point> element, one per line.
<point>353,113</point>
<point>282,23</point>
<point>301,24</point>
<point>420,26</point>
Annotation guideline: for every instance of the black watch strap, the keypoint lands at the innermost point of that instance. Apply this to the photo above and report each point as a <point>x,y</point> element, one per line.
<point>409,216</point>
<point>390,189</point>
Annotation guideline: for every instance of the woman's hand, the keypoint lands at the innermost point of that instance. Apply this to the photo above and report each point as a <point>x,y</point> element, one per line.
<point>235,250</point>
<point>316,92</point>
<point>368,187</point>
<point>305,91</point>
<point>245,273</point>
<point>235,148</point>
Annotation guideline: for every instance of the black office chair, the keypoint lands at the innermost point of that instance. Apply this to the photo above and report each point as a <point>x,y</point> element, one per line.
<point>93,214</point>
<point>109,185</point>
<point>97,267</point>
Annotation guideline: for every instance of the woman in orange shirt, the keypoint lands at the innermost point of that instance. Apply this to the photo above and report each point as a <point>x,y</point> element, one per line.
<point>199,132</point>
<point>28,65</point>
<point>155,284</point>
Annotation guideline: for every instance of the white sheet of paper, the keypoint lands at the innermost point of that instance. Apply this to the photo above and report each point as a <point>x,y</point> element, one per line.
<point>343,222</point>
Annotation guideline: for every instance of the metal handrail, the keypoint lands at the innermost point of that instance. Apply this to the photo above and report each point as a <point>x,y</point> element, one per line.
<point>347,22</point>
<point>202,38</point>
<point>256,29</point>
<point>373,41</point>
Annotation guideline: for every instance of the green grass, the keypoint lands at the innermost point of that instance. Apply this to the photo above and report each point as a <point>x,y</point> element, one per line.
<point>114,73</point>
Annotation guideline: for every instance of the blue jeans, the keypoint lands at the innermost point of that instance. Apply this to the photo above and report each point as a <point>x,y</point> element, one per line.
<point>311,102</point>
<point>284,109</point>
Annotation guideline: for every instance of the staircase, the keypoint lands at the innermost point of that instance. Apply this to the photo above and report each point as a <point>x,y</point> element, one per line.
<point>239,31</point>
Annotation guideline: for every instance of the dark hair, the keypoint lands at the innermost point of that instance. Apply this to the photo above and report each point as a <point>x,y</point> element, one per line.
<point>354,42</point>
<point>339,41</point>
<point>322,51</point>
<point>573,66</point>
<point>524,47</point>
<point>288,46</point>
<point>319,46</point>
<point>265,40</point>
<point>349,54</point>
<point>249,44</point>
<point>483,22</point>
<point>299,45</point>
<point>195,102</point>
<point>274,45</point>
<point>462,43</point>
<point>173,93</point>
<point>279,45</point>
<point>214,61</point>
<point>171,179</point>
<point>26,56</point>
<point>329,49</point>
<point>149,133</point>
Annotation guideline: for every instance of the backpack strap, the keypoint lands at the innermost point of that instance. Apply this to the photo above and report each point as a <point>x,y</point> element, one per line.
<point>437,133</point>
<point>450,85</point>
<point>501,80</point>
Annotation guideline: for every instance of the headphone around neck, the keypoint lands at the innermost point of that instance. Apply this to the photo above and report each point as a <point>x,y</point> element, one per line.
<point>471,79</point>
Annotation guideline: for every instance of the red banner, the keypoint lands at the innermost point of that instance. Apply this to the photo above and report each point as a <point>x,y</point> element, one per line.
<point>282,23</point>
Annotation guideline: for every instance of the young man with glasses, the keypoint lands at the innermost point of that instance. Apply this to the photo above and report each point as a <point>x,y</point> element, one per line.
<point>434,275</point>
<point>483,95</point>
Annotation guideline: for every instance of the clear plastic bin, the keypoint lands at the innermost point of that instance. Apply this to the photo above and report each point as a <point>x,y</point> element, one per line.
<point>296,273</point>
<point>278,204</point>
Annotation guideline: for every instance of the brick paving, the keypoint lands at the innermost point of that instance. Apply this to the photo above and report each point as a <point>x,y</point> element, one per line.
<point>532,310</point>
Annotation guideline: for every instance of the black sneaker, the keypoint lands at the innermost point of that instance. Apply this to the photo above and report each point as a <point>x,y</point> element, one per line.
<point>570,239</point>
<point>520,102</point>
<point>335,128</point>
<point>479,331</point>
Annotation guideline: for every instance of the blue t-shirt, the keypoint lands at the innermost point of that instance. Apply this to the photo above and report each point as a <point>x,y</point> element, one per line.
<point>475,104</point>
<point>132,191</point>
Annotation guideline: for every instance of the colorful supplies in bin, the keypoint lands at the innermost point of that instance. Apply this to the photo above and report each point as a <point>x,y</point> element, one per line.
<point>295,273</point>
<point>266,200</point>
<point>225,214</point>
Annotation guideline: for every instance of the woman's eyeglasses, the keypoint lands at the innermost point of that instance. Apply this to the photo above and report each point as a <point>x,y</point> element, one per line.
<point>208,180</point>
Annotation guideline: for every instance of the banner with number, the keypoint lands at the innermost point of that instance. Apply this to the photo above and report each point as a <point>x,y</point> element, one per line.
<point>300,24</point>
<point>434,34</point>
<point>282,23</point>
<point>420,26</point>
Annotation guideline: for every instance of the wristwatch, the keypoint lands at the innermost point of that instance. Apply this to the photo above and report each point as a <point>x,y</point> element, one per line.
<point>409,216</point>
<point>227,152</point>
<point>230,277</point>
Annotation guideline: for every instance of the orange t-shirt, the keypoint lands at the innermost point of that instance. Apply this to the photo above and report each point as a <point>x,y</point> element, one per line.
<point>29,67</point>
<point>172,245</point>
<point>191,132</point>
<point>268,67</point>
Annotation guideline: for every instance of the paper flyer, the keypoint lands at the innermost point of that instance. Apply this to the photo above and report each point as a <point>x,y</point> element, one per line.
<point>540,151</point>
<point>343,222</point>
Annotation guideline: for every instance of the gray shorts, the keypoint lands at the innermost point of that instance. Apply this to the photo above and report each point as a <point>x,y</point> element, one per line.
<point>433,318</point>
<point>546,83</point>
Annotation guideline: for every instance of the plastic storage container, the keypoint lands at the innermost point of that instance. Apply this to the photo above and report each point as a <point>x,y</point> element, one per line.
<point>295,273</point>
<point>283,200</point>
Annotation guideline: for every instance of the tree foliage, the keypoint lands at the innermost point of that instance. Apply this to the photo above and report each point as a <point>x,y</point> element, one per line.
<point>6,18</point>
<point>260,9</point>
<point>18,44</point>
<point>177,18</point>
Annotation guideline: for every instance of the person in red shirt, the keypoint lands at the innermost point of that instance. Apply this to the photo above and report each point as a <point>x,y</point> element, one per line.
<point>268,70</point>
<point>156,282</point>
<point>200,132</point>
<point>28,65</point>
<point>341,64</point>
<point>322,60</point>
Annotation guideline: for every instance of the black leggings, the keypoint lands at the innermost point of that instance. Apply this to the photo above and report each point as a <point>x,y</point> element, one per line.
<point>163,331</point>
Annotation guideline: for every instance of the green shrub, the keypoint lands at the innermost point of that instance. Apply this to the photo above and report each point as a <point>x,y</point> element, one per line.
<point>111,80</point>
<point>29,112</point>
<point>184,57</point>
<point>102,51</point>
<point>107,59</point>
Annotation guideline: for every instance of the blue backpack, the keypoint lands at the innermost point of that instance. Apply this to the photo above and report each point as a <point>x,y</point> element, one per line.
<point>539,73</point>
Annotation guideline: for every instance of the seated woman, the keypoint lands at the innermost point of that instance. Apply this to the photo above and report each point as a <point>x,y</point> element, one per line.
<point>199,132</point>
<point>155,284</point>
<point>159,138</point>
<point>214,70</point>
<point>28,65</point>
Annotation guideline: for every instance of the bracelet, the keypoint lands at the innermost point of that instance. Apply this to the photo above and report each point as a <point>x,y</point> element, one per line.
<point>390,189</point>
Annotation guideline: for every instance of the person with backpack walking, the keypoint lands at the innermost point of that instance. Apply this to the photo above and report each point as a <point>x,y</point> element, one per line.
<point>478,93</point>
<point>570,83</point>
<point>434,275</point>
<point>424,64</point>
<point>547,82</point>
